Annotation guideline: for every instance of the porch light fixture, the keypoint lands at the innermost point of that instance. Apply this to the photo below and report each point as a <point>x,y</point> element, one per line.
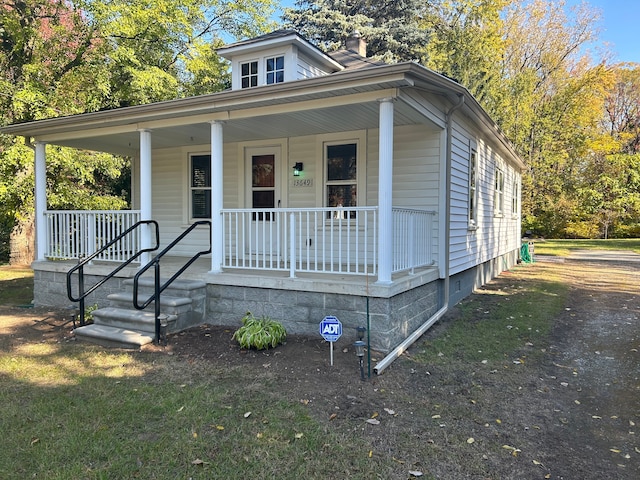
<point>359,346</point>
<point>297,168</point>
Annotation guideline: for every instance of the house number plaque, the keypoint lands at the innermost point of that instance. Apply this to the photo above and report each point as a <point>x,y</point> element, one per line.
<point>303,182</point>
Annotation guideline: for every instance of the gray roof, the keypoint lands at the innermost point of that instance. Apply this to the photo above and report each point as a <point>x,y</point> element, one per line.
<point>350,60</point>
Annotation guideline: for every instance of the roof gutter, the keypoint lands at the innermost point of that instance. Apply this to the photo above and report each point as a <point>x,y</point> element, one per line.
<point>400,349</point>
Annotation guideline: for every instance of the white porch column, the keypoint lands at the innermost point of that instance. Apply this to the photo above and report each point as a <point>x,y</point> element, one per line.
<point>40,199</point>
<point>145,192</point>
<point>216,197</point>
<point>385,192</point>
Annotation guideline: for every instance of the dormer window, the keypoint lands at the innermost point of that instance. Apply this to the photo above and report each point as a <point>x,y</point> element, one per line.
<point>249,74</point>
<point>275,70</point>
<point>277,57</point>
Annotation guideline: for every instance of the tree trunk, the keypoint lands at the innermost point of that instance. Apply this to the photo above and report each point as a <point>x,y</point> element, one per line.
<point>22,242</point>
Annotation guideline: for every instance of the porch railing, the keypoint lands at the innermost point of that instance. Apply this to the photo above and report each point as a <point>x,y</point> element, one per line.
<point>319,240</point>
<point>313,240</point>
<point>413,239</point>
<point>323,240</point>
<point>75,234</point>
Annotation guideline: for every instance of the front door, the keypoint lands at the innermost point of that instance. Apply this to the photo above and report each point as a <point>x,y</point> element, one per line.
<point>263,195</point>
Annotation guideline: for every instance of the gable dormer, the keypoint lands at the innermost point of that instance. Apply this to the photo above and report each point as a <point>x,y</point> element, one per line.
<point>280,56</point>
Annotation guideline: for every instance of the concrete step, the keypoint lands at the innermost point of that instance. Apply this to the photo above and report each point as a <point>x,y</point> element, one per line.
<point>143,321</point>
<point>108,336</point>
<point>126,298</point>
<point>179,288</point>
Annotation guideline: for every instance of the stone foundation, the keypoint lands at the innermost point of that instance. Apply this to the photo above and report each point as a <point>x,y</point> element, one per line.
<point>391,319</point>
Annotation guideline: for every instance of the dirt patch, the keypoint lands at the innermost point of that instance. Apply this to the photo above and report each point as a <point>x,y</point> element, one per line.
<point>571,412</point>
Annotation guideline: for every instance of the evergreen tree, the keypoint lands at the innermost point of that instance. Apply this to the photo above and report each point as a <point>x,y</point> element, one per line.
<point>392,29</point>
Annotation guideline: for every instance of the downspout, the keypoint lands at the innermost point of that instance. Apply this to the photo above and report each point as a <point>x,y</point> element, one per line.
<point>400,349</point>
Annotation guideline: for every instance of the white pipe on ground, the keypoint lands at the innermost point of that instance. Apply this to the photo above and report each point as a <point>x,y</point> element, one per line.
<point>400,349</point>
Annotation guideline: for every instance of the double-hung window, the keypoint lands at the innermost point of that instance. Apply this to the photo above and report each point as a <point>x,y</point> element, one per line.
<point>498,193</point>
<point>341,185</point>
<point>200,186</point>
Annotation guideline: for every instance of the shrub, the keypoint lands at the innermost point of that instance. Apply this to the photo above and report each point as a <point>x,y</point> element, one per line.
<point>259,333</point>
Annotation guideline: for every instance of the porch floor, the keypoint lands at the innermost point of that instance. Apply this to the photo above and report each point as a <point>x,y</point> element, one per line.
<point>348,284</point>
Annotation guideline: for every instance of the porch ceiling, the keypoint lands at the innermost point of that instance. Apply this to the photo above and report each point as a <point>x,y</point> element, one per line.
<point>277,125</point>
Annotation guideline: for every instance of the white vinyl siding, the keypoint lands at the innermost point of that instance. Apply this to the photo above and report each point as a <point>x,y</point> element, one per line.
<point>494,235</point>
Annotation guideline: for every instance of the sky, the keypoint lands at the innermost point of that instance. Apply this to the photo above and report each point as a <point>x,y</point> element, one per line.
<point>620,27</point>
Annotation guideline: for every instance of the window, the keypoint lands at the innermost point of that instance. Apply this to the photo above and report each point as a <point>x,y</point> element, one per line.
<point>473,199</point>
<point>249,74</point>
<point>515,198</point>
<point>275,70</point>
<point>341,179</point>
<point>200,186</point>
<point>498,193</point>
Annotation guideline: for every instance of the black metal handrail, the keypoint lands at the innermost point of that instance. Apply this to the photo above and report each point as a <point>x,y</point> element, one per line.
<point>157,288</point>
<point>82,293</point>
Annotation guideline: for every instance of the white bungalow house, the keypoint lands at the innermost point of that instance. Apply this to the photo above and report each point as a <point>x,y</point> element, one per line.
<point>334,185</point>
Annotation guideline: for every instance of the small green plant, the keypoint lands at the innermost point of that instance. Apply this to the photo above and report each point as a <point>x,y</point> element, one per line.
<point>88,313</point>
<point>259,333</point>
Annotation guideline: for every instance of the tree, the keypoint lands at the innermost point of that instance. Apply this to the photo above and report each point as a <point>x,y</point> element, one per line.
<point>467,45</point>
<point>61,57</point>
<point>550,103</point>
<point>392,29</point>
<point>622,107</point>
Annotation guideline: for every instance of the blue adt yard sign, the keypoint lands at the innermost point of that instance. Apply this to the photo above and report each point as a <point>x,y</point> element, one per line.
<point>330,329</point>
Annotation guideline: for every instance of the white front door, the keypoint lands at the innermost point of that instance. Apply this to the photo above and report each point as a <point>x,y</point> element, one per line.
<point>263,194</point>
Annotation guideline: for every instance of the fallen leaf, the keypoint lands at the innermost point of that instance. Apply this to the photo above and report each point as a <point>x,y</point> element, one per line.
<point>332,416</point>
<point>415,473</point>
<point>637,450</point>
<point>299,435</point>
<point>435,416</point>
<point>370,453</point>
<point>197,461</point>
<point>498,421</point>
<point>181,408</point>
<point>34,441</point>
<point>614,450</point>
<point>247,414</point>
<point>470,440</point>
<point>375,414</point>
<point>597,417</point>
<point>373,421</point>
<point>536,462</point>
<point>219,427</point>
<point>195,435</point>
<point>389,411</point>
<point>514,450</point>
<point>259,435</point>
<point>577,402</point>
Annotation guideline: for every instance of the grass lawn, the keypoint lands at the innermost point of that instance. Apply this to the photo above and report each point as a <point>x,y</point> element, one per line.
<point>16,285</point>
<point>562,248</point>
<point>73,410</point>
<point>452,407</point>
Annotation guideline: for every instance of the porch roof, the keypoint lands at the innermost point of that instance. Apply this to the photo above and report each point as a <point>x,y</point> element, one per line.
<point>346,100</point>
